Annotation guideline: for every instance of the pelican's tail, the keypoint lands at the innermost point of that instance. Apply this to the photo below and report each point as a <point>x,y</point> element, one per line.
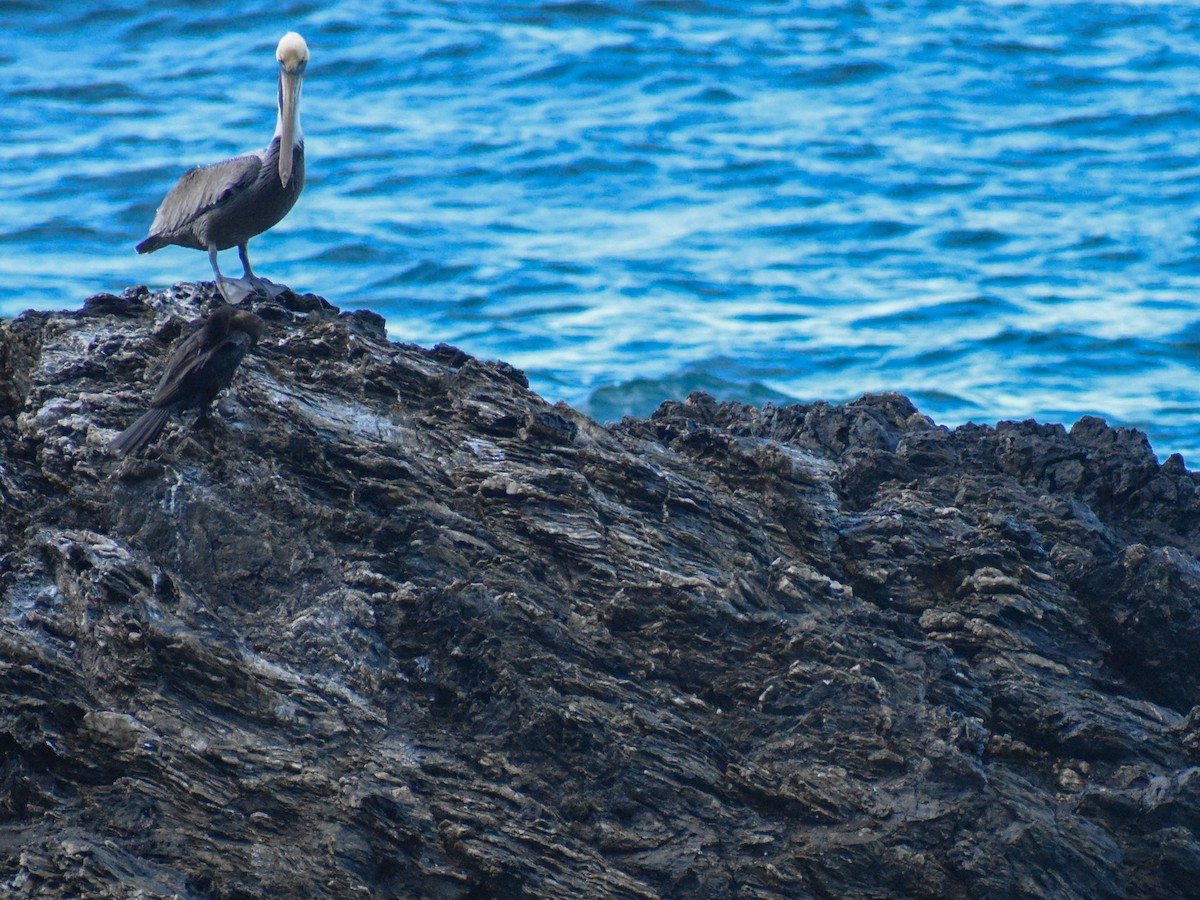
<point>152,243</point>
<point>140,434</point>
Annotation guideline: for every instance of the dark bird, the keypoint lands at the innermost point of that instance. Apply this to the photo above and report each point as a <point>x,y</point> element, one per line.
<point>199,368</point>
<point>224,205</point>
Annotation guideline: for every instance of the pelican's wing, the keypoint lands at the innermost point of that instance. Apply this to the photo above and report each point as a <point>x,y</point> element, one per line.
<point>203,189</point>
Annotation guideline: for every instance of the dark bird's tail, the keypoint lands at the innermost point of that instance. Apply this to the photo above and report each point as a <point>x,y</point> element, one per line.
<point>139,435</point>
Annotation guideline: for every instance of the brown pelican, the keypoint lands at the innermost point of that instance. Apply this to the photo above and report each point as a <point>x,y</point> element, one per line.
<point>199,368</point>
<point>224,205</point>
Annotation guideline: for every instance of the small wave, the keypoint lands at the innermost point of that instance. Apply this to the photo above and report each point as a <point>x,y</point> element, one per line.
<point>1112,259</point>
<point>1117,124</point>
<point>352,254</point>
<point>715,95</point>
<point>424,272</point>
<point>933,400</point>
<point>1041,354</point>
<point>1185,340</point>
<point>50,233</point>
<point>869,230</point>
<point>641,396</point>
<point>979,308</point>
<point>1068,81</point>
<point>972,237</point>
<point>87,92</point>
<point>1093,242</point>
<point>694,287</point>
<point>690,7</point>
<point>526,286</point>
<point>353,69</point>
<point>746,173</point>
<point>574,168</point>
<point>1188,265</point>
<point>913,190</point>
<point>554,72</point>
<point>843,73</point>
<point>455,51</point>
<point>581,10</point>
<point>91,18</point>
<point>1021,49</point>
<point>850,152</point>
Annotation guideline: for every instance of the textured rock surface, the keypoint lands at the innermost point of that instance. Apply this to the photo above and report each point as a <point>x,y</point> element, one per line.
<point>391,625</point>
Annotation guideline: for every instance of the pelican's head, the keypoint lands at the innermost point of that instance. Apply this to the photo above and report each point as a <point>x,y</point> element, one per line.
<point>292,54</point>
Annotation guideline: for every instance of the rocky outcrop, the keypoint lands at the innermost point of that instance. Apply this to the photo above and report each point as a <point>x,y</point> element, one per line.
<point>392,625</point>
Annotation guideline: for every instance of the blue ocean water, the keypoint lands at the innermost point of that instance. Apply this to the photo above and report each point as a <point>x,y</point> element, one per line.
<point>990,206</point>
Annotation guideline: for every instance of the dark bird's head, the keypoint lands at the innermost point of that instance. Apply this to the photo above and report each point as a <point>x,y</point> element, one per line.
<point>292,54</point>
<point>216,326</point>
<point>226,320</point>
<point>244,320</point>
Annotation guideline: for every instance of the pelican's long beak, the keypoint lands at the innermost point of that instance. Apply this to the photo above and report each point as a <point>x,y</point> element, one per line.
<point>292,54</point>
<point>289,110</point>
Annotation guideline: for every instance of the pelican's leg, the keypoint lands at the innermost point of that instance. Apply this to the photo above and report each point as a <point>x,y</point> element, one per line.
<point>267,289</point>
<point>244,256</point>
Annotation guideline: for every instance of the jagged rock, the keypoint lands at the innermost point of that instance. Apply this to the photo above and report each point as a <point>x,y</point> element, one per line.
<point>391,625</point>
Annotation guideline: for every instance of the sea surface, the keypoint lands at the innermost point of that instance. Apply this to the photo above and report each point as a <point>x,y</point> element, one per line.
<point>991,207</point>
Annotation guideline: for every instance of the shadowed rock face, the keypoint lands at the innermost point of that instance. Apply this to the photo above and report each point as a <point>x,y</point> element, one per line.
<point>393,623</point>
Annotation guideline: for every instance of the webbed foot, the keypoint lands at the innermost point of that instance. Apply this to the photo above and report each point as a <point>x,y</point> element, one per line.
<point>235,290</point>
<point>268,289</point>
